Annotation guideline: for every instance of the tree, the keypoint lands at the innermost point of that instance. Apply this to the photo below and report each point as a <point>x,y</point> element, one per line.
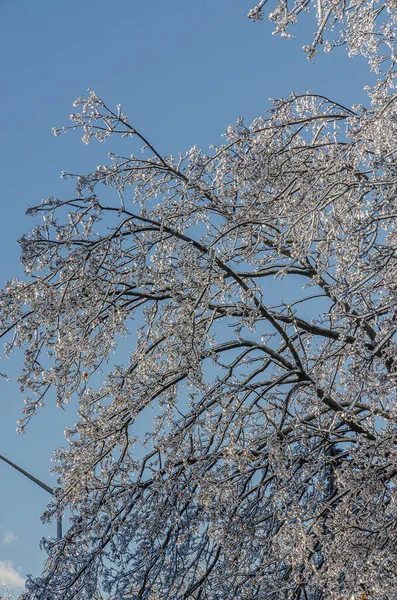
<point>271,465</point>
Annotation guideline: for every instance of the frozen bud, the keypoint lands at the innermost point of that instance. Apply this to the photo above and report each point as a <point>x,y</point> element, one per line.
<point>78,102</point>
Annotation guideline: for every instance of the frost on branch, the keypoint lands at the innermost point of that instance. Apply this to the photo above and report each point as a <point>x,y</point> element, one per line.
<point>269,469</point>
<point>366,27</point>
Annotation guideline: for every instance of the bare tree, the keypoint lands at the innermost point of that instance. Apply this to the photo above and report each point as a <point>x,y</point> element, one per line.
<point>260,282</point>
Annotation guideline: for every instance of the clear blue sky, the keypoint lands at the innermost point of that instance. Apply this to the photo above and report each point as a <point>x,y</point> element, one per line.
<point>184,71</point>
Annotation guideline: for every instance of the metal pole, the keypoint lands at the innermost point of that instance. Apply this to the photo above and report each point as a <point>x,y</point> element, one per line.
<point>59,528</point>
<point>40,483</point>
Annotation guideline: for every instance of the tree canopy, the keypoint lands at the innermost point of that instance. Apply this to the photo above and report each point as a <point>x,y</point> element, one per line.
<point>256,286</point>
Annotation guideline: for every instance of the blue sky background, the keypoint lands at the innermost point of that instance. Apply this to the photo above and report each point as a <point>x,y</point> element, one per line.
<point>183,71</point>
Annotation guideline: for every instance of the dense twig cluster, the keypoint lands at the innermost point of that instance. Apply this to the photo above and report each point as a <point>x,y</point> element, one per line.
<point>366,27</point>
